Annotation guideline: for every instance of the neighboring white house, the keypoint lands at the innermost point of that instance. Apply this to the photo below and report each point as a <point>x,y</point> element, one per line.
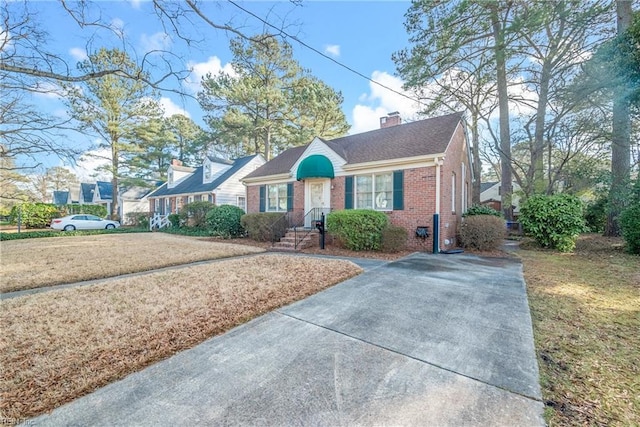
<point>490,196</point>
<point>216,181</point>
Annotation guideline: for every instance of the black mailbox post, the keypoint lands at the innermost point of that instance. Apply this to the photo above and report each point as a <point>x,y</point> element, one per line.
<point>320,226</point>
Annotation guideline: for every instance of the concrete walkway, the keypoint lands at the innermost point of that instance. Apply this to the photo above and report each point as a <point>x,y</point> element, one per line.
<point>426,340</point>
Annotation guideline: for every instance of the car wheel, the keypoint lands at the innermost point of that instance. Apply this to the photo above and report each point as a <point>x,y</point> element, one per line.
<point>110,226</point>
<point>69,228</point>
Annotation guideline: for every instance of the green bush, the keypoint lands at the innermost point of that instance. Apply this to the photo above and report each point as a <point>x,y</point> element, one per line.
<point>481,210</point>
<point>630,220</point>
<point>97,210</point>
<point>195,214</point>
<point>482,232</point>
<point>595,215</point>
<point>55,233</point>
<point>34,215</point>
<point>358,229</point>
<point>264,226</point>
<point>138,219</point>
<point>553,221</point>
<point>224,220</point>
<point>174,219</point>
<point>394,238</point>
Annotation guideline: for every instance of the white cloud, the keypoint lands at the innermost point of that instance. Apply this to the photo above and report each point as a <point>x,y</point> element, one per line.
<point>154,42</point>
<point>88,163</point>
<point>117,25</point>
<point>135,4</point>
<point>170,108</point>
<point>44,89</point>
<point>380,101</point>
<point>200,69</point>
<point>78,53</point>
<point>332,49</point>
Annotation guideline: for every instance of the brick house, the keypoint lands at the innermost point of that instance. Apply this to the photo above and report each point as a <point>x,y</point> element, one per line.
<point>410,171</point>
<point>216,181</point>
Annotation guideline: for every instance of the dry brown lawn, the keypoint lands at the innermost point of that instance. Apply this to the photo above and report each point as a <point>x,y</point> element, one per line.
<point>59,345</point>
<point>34,263</point>
<point>585,308</point>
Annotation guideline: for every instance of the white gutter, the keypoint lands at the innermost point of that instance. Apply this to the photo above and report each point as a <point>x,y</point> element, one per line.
<point>439,163</point>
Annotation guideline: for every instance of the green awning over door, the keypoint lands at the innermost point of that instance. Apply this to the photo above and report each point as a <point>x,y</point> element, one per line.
<point>315,166</point>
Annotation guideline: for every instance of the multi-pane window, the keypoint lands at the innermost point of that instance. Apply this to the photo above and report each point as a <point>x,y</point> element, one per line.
<point>374,191</point>
<point>242,203</point>
<point>453,192</point>
<point>277,197</point>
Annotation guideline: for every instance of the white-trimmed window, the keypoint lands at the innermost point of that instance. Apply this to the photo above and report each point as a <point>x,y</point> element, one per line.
<point>207,171</point>
<point>453,192</point>
<point>277,198</point>
<point>242,203</point>
<point>374,191</point>
<point>167,206</point>
<point>197,198</point>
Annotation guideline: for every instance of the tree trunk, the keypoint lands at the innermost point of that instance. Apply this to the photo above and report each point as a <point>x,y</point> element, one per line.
<point>506,185</point>
<point>620,138</point>
<point>477,164</point>
<point>537,154</point>
<point>114,180</point>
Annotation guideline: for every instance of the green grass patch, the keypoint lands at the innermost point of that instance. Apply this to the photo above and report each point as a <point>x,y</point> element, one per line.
<point>585,308</point>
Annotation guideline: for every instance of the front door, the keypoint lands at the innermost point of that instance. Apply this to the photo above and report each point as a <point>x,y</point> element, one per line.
<point>318,196</point>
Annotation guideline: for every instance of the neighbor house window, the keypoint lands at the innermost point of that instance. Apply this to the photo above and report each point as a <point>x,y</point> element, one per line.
<point>374,191</point>
<point>198,198</point>
<point>242,203</point>
<point>277,198</point>
<point>210,198</point>
<point>207,171</point>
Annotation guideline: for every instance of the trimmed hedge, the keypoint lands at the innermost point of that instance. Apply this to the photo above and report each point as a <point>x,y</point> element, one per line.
<point>225,221</point>
<point>482,232</point>
<point>39,215</point>
<point>481,210</point>
<point>394,238</point>
<point>553,221</point>
<point>264,226</point>
<point>56,233</point>
<point>358,229</point>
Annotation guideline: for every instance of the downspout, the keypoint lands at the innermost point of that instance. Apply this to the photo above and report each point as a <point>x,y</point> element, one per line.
<point>436,215</point>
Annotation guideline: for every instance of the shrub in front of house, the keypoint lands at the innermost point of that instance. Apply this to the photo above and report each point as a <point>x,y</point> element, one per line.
<point>34,215</point>
<point>553,221</point>
<point>358,229</point>
<point>394,239</point>
<point>481,210</point>
<point>225,221</point>
<point>174,219</point>
<point>264,226</point>
<point>482,232</point>
<point>138,219</point>
<point>97,210</point>
<point>195,214</point>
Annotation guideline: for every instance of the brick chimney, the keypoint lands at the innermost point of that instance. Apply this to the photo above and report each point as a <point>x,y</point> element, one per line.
<point>392,119</point>
<point>176,162</point>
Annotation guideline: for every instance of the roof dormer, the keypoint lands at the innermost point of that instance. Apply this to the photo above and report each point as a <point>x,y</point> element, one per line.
<point>177,173</point>
<point>213,167</point>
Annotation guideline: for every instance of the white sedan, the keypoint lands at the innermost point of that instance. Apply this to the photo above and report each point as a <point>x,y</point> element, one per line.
<point>83,222</point>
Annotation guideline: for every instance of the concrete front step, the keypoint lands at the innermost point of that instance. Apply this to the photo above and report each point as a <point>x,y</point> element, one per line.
<point>305,238</point>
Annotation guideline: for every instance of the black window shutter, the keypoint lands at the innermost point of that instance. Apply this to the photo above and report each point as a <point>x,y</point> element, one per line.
<point>348,192</point>
<point>290,197</point>
<point>262,198</point>
<point>398,190</point>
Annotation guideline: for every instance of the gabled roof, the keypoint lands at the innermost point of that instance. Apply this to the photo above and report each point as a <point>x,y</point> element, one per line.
<point>105,189</point>
<point>415,139</point>
<point>135,193</point>
<point>60,197</point>
<point>484,186</point>
<point>87,190</point>
<point>193,184</point>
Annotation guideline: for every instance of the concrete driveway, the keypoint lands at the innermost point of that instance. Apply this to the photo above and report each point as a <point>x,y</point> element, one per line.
<point>426,340</point>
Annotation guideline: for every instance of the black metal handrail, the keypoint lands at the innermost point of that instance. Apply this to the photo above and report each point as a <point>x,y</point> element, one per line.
<point>313,216</point>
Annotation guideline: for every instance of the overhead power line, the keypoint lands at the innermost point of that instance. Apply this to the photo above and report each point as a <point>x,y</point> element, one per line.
<point>313,49</point>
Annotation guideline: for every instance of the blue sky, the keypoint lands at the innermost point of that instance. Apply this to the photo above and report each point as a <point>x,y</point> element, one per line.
<point>362,35</point>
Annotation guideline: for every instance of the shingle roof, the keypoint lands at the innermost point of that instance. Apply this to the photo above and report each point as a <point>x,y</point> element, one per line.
<point>60,197</point>
<point>87,192</point>
<point>420,138</point>
<point>487,185</point>
<point>105,189</point>
<point>193,184</point>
